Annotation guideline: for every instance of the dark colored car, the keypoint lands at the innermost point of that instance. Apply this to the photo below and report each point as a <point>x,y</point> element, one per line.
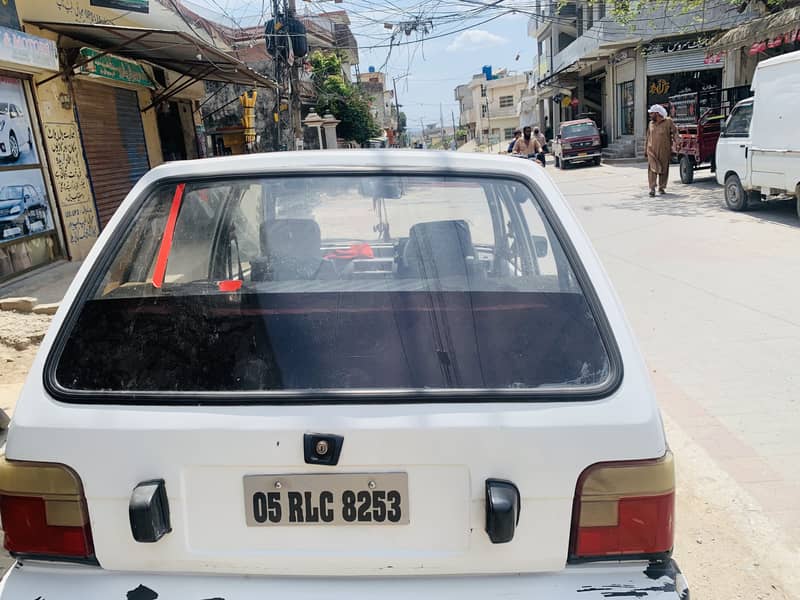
<point>577,141</point>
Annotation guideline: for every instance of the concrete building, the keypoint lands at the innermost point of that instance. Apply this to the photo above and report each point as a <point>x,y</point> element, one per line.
<point>381,100</point>
<point>98,95</point>
<point>590,65</point>
<point>327,31</point>
<point>490,105</point>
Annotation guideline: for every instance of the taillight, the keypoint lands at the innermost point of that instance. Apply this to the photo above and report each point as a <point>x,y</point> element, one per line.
<point>624,509</point>
<point>43,511</point>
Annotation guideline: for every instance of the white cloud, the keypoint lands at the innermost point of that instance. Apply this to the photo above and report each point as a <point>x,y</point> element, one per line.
<point>475,38</point>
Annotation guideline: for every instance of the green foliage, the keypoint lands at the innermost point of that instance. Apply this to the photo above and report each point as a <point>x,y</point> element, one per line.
<point>401,122</point>
<point>341,98</point>
<point>627,12</point>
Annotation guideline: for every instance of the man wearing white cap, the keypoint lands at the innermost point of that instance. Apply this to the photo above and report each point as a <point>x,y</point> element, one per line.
<point>661,132</point>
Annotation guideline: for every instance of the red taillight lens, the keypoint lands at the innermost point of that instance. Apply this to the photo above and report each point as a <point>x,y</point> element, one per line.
<point>624,509</point>
<point>43,511</point>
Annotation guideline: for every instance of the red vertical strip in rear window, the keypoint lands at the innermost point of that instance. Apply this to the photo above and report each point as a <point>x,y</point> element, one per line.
<point>166,241</point>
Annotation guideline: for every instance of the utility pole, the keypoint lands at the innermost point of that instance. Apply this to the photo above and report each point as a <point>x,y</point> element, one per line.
<point>276,61</point>
<point>295,125</point>
<point>453,118</point>
<point>441,124</point>
<point>422,131</point>
<point>397,108</point>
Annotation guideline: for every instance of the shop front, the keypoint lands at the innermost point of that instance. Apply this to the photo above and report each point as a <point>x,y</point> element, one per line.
<point>679,67</point>
<point>134,93</point>
<point>29,225</point>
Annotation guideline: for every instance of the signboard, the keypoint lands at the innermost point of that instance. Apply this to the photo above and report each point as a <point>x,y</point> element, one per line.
<point>114,68</point>
<point>131,5</point>
<point>76,203</point>
<point>8,14</point>
<point>29,52</point>
<point>672,46</point>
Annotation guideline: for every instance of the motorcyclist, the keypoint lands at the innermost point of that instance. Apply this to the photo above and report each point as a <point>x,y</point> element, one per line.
<point>528,146</point>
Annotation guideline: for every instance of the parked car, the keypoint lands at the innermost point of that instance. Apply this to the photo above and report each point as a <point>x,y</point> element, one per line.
<point>340,374</point>
<point>699,117</point>
<point>577,141</point>
<point>14,130</point>
<point>758,154</point>
<point>21,206</point>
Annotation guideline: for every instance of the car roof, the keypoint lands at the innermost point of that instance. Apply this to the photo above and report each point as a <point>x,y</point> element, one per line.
<point>578,122</point>
<point>328,162</point>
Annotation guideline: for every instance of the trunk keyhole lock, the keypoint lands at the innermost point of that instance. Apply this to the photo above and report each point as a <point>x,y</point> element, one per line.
<point>322,448</point>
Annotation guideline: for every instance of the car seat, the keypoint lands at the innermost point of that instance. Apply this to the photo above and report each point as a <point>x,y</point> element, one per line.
<point>438,249</point>
<point>293,252</point>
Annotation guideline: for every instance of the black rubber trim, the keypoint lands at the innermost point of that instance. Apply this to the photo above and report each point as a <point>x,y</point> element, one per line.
<point>351,397</point>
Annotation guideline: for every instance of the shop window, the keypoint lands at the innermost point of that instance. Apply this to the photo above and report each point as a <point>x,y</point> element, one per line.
<point>626,107</point>
<point>506,101</point>
<point>27,226</point>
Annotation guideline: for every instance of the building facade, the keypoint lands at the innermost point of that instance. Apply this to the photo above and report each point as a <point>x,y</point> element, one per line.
<point>382,104</point>
<point>490,105</point>
<point>92,107</point>
<point>589,65</point>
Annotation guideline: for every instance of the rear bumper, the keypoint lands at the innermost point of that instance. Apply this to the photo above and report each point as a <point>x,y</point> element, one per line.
<point>585,582</point>
<point>576,158</point>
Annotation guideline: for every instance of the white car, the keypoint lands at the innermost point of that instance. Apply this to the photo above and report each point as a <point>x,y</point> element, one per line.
<point>758,153</point>
<point>344,374</point>
<point>14,131</point>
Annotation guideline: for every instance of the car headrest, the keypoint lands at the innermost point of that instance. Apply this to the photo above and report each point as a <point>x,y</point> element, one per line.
<point>293,237</point>
<point>438,249</point>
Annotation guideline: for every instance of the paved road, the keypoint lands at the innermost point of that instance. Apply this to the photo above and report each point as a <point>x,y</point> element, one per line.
<point>713,297</point>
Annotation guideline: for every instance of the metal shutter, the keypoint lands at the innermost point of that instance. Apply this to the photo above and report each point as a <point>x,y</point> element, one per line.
<point>679,62</point>
<point>113,140</point>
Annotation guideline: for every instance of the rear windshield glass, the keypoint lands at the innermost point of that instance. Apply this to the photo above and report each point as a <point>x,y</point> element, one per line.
<point>342,283</point>
<point>580,130</point>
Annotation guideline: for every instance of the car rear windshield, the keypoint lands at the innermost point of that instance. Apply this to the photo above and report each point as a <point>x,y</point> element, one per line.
<point>579,130</point>
<point>263,286</point>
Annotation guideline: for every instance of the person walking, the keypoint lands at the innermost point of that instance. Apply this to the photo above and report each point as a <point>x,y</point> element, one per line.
<point>661,132</point>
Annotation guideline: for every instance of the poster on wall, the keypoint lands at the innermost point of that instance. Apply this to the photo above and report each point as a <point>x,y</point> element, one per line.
<point>24,209</point>
<point>17,146</point>
<point>131,5</point>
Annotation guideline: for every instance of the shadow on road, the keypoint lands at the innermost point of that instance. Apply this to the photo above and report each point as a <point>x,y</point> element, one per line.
<point>703,198</point>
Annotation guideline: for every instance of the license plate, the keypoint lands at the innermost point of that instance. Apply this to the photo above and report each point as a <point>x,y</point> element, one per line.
<point>582,153</point>
<point>326,499</point>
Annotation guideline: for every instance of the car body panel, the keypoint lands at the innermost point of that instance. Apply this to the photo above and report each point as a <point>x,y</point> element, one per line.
<point>768,159</point>
<point>448,449</point>
<point>585,582</point>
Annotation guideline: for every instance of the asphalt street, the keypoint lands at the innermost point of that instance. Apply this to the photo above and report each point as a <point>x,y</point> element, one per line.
<point>713,298</point>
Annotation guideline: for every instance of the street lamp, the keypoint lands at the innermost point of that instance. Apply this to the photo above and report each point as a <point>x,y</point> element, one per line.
<point>314,120</point>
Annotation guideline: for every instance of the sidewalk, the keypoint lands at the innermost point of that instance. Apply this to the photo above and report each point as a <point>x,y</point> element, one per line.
<point>47,284</point>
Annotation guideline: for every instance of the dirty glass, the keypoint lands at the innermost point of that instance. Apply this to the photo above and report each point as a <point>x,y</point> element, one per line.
<point>579,130</point>
<point>335,283</point>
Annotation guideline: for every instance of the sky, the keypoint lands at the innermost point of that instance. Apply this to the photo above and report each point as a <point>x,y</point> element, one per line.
<point>429,68</point>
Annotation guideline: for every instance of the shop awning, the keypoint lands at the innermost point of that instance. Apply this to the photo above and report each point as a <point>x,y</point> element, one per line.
<point>758,30</point>
<point>174,50</point>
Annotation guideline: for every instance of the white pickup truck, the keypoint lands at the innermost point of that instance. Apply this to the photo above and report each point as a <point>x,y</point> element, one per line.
<point>758,153</point>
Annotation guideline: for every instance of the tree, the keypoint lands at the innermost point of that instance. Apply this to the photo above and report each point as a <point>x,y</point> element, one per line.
<point>401,122</point>
<point>628,11</point>
<point>341,98</point>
